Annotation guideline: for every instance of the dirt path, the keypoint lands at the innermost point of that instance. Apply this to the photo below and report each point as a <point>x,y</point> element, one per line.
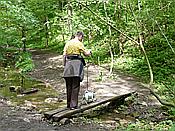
<point>48,68</point>
<point>15,119</point>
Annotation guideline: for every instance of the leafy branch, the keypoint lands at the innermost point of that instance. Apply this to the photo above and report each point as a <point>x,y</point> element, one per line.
<point>109,24</point>
<point>150,85</point>
<point>165,36</point>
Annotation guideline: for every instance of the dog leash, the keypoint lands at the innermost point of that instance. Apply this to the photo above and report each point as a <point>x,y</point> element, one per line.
<point>88,96</point>
<point>87,76</point>
<point>88,63</point>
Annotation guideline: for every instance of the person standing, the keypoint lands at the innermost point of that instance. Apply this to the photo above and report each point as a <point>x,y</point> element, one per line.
<point>73,68</point>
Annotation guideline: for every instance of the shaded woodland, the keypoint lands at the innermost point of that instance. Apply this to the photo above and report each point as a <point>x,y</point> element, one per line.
<point>136,37</point>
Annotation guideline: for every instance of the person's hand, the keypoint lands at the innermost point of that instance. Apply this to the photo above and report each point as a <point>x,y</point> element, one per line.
<point>87,53</point>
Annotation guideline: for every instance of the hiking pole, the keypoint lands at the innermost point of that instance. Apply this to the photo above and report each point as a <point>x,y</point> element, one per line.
<point>87,76</point>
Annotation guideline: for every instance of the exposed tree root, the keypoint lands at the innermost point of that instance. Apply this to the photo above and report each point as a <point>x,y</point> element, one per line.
<point>149,87</point>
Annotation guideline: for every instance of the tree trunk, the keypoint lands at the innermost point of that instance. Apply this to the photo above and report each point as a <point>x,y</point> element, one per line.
<point>23,32</point>
<point>119,9</point>
<point>115,9</point>
<point>150,85</point>
<point>7,25</point>
<point>69,12</point>
<point>121,40</point>
<point>63,26</point>
<point>126,9</point>
<point>46,25</point>
<point>110,41</point>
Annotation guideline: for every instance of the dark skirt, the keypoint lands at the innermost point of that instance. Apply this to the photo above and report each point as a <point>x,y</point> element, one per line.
<point>74,68</point>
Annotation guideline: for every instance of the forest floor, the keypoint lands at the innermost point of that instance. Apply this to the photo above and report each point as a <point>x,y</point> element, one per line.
<point>49,69</point>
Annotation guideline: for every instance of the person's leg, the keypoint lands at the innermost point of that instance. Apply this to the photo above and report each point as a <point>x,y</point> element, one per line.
<point>69,81</point>
<point>75,92</point>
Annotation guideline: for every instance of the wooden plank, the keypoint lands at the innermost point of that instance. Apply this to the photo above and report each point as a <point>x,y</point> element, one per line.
<point>29,91</point>
<point>49,114</point>
<point>67,113</point>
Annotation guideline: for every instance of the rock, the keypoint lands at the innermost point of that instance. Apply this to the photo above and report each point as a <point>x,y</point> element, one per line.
<point>144,103</point>
<point>117,125</point>
<point>29,105</point>
<point>20,95</point>
<point>9,103</point>
<point>48,85</point>
<point>12,88</point>
<point>65,121</point>
<point>110,122</point>
<point>116,111</point>
<point>37,117</point>
<point>123,122</point>
<point>117,119</point>
<point>26,120</point>
<point>1,85</point>
<point>17,89</point>
<point>51,100</point>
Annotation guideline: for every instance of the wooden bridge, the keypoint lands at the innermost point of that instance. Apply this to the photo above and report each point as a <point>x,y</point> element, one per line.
<point>58,114</point>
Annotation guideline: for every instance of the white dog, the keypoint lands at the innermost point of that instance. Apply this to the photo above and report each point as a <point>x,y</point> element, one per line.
<point>88,97</point>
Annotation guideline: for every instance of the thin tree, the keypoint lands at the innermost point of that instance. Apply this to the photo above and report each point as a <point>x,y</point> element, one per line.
<point>150,85</point>
<point>110,40</point>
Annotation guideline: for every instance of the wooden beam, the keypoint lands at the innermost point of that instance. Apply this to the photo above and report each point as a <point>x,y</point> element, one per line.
<point>57,115</point>
<point>49,114</point>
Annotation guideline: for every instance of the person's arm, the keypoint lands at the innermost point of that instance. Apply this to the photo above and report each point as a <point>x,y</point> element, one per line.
<point>83,50</point>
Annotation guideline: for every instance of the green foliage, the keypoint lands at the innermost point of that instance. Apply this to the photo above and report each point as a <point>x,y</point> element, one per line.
<point>172,128</point>
<point>145,126</point>
<point>24,63</point>
<point>172,111</point>
<point>16,20</point>
<point>52,22</point>
<point>135,66</point>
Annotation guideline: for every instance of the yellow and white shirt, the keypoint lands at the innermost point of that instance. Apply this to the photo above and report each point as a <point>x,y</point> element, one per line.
<point>73,47</point>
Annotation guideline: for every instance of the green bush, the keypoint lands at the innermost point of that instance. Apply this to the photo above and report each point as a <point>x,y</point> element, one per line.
<point>24,62</point>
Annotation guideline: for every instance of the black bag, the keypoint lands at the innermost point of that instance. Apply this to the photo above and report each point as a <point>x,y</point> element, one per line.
<point>75,57</point>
